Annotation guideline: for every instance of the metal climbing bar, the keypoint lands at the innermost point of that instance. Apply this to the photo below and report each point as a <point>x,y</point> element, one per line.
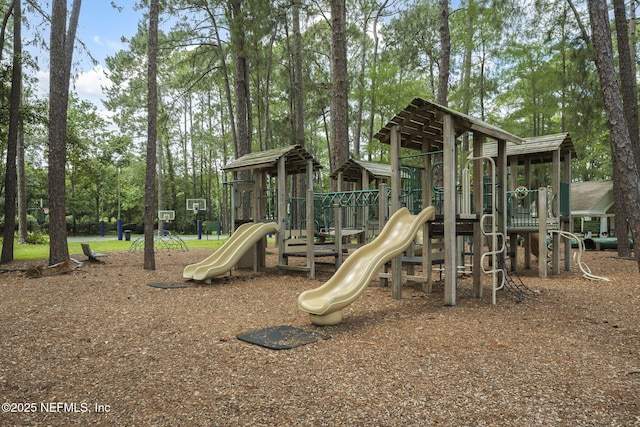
<point>489,227</point>
<point>497,247</point>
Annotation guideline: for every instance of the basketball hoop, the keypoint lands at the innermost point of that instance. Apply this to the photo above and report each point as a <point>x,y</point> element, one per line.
<point>196,205</point>
<point>166,216</point>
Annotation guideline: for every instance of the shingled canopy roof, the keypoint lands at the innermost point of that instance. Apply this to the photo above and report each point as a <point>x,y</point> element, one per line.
<point>421,121</point>
<point>295,162</point>
<point>537,149</point>
<point>352,170</point>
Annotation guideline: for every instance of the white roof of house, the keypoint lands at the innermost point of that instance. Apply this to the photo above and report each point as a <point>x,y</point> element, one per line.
<point>591,198</point>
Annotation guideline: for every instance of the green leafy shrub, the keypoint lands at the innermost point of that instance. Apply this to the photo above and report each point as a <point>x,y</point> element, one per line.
<point>37,238</point>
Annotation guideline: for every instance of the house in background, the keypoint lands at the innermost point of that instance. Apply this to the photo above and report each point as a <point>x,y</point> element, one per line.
<point>592,208</point>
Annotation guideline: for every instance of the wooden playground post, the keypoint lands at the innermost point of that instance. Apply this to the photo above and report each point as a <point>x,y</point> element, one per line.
<point>311,261</point>
<point>449,209</point>
<point>364,184</point>
<point>527,236</point>
<point>542,238</point>
<point>513,237</point>
<point>383,207</point>
<point>568,224</point>
<point>501,183</point>
<point>555,212</point>
<point>396,184</point>
<point>427,246</point>
<point>478,203</point>
<point>338,217</point>
<point>259,254</point>
<point>281,185</point>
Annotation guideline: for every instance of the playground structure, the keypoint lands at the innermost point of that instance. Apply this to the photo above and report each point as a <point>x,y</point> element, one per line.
<point>228,255</point>
<point>539,208</point>
<point>479,201</point>
<point>431,129</point>
<point>252,201</point>
<point>325,304</point>
<point>359,186</point>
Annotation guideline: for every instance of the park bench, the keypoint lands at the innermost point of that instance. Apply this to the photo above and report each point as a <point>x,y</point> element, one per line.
<point>93,256</point>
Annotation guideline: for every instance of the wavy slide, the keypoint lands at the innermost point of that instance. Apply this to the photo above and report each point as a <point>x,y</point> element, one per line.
<point>228,255</point>
<point>325,304</point>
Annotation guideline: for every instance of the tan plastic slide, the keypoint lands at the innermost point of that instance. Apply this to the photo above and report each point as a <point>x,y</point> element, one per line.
<point>228,255</point>
<point>325,304</point>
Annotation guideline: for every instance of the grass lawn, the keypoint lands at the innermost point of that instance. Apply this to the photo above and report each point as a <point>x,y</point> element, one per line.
<point>23,252</point>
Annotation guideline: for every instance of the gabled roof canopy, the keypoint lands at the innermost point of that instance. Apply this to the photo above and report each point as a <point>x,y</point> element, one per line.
<point>537,149</point>
<point>295,162</point>
<point>352,170</point>
<point>421,122</point>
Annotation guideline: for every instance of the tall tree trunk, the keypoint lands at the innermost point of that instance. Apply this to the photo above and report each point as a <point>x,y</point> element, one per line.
<point>227,83</point>
<point>626,171</point>
<point>171,172</point>
<point>298,94</point>
<point>185,153</point>
<point>189,134</point>
<point>628,82</point>
<point>361,85</point>
<point>466,70</point>
<point>445,54</point>
<point>152,136</point>
<point>5,24</point>
<point>267,90</point>
<point>632,33</point>
<point>241,82</point>
<point>243,105</point>
<point>339,106</point>
<point>629,102</point>
<point>297,76</point>
<point>576,14</point>
<point>443,75</point>
<point>10,178</point>
<point>23,224</point>
<point>374,81</point>
<point>61,46</point>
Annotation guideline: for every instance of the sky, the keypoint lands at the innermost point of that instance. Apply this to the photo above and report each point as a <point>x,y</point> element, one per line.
<point>100,28</point>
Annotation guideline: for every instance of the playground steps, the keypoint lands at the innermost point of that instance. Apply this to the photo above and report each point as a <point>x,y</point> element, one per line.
<point>437,258</point>
<point>297,247</point>
<point>464,225</point>
<point>294,268</point>
<point>409,277</point>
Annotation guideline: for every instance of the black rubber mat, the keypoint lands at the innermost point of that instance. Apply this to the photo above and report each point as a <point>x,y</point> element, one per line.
<point>281,337</point>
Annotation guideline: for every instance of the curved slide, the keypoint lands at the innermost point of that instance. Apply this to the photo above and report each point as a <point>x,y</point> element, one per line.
<point>228,255</point>
<point>325,304</point>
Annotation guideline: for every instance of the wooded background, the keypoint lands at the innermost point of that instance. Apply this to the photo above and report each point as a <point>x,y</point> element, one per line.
<point>235,77</point>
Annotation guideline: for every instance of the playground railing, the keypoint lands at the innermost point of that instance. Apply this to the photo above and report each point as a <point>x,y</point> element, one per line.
<point>348,198</point>
<point>522,208</point>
